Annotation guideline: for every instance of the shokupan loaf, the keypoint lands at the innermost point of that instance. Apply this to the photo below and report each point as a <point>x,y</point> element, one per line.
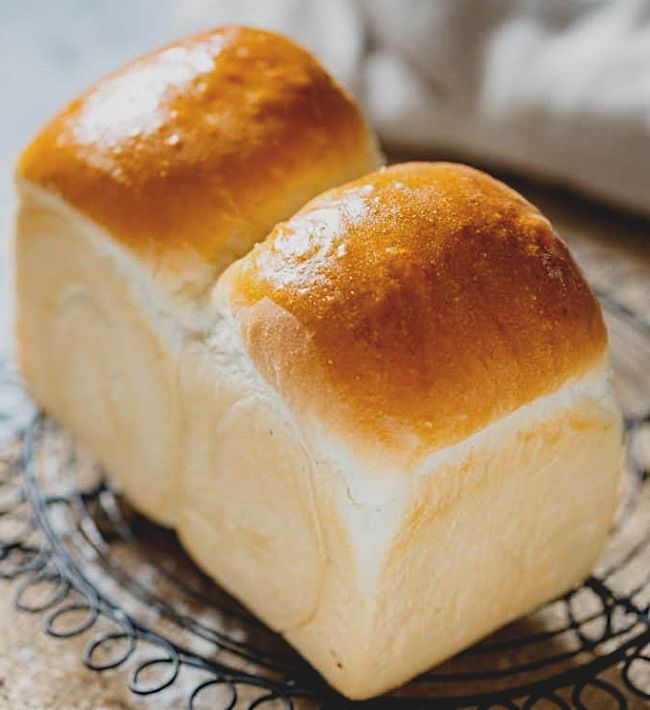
<point>406,387</point>
<point>133,199</point>
<point>399,397</point>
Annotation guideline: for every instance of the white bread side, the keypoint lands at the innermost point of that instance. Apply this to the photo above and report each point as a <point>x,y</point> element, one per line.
<point>97,343</point>
<point>370,572</point>
<point>498,525</point>
<point>248,513</point>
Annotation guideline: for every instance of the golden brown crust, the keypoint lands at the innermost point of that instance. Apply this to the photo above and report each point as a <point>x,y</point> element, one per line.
<point>191,145</point>
<point>415,305</point>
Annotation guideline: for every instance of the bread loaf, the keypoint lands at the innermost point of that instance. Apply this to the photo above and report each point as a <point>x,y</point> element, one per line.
<point>398,398</point>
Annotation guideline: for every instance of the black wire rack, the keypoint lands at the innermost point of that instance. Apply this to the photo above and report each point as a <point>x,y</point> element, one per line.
<point>92,568</point>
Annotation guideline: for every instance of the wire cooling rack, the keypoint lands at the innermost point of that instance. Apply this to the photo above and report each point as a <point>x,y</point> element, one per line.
<point>91,567</point>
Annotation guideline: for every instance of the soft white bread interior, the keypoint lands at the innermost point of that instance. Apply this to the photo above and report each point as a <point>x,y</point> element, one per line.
<point>404,399</point>
<point>132,201</point>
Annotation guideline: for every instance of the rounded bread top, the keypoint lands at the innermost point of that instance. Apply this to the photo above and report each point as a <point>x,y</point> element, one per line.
<point>200,147</point>
<point>411,307</point>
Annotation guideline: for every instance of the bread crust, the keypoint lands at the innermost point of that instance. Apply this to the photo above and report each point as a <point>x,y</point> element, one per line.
<point>413,306</point>
<point>199,148</point>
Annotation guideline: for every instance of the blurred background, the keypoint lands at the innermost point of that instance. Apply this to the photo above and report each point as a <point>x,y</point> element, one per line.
<point>554,91</point>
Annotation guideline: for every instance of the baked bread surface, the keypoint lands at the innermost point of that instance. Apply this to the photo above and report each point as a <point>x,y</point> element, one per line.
<point>191,153</point>
<point>416,304</point>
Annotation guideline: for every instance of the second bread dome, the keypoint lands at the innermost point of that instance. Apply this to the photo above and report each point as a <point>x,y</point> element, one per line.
<point>405,431</point>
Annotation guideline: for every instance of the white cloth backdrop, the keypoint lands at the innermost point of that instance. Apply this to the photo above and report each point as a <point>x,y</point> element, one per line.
<point>558,88</point>
<point>554,88</point>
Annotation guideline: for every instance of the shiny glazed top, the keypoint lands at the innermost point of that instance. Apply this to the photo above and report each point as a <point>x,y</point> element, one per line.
<point>414,306</point>
<point>202,146</point>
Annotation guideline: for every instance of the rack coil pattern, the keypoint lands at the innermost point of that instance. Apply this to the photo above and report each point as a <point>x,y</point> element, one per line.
<point>91,567</point>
